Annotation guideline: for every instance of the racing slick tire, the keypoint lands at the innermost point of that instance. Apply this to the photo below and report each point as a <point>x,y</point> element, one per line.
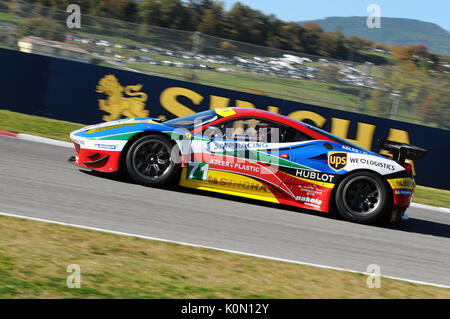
<point>152,161</point>
<point>363,197</point>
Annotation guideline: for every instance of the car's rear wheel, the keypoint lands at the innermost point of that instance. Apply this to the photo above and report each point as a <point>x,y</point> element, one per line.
<point>363,197</point>
<point>150,161</point>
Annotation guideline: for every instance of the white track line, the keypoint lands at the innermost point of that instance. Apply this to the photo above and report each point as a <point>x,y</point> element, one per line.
<point>433,208</point>
<point>43,140</point>
<point>218,249</point>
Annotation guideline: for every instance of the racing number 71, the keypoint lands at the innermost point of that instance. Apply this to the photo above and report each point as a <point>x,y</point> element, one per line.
<point>197,171</point>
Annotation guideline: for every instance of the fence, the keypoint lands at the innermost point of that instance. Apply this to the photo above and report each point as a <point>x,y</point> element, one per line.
<point>365,88</point>
<point>86,93</point>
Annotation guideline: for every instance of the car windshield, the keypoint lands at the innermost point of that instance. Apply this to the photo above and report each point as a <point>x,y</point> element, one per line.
<point>335,138</point>
<point>189,122</point>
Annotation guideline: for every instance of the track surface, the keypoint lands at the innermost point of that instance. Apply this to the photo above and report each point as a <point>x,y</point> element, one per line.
<point>36,180</point>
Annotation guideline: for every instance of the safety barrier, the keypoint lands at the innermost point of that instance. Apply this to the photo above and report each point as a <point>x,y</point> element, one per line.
<point>86,93</point>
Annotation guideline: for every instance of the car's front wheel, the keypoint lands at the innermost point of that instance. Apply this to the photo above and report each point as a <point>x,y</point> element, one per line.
<point>363,197</point>
<point>150,161</point>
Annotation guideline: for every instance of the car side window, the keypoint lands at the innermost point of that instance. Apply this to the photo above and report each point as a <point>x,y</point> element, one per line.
<point>293,135</point>
<point>241,129</point>
<point>260,130</point>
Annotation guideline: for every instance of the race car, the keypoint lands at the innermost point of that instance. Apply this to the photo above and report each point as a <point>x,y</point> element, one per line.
<point>255,154</point>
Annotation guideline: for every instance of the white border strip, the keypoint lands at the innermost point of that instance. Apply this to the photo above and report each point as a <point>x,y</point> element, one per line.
<point>50,141</point>
<point>218,249</point>
<point>433,208</point>
<point>44,140</point>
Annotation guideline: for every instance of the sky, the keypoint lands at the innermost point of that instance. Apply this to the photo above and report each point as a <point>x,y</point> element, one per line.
<point>436,11</point>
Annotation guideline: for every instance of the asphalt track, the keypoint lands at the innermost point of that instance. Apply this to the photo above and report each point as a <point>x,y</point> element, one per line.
<point>36,180</point>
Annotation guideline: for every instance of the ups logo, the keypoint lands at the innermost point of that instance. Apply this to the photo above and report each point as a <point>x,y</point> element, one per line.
<point>337,160</point>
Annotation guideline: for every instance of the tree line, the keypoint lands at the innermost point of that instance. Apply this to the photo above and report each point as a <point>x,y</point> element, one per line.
<point>240,23</point>
<point>427,96</point>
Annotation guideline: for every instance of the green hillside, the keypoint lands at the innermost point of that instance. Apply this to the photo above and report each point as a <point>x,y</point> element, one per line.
<point>393,31</point>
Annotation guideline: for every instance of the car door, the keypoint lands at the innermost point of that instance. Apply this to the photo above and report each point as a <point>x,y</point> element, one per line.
<point>243,155</point>
<point>308,177</point>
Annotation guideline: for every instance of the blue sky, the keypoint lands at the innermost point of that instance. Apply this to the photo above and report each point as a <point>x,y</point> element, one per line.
<point>436,11</point>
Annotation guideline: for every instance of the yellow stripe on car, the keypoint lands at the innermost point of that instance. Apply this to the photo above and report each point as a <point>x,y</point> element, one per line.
<point>405,182</point>
<point>231,184</point>
<point>226,111</point>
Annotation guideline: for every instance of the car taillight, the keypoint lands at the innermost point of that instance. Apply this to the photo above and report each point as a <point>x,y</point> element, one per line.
<point>407,166</point>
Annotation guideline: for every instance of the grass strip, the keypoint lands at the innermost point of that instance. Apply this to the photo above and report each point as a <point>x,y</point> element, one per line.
<point>34,257</point>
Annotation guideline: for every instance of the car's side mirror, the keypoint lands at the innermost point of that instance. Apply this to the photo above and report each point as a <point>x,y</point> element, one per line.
<point>212,132</point>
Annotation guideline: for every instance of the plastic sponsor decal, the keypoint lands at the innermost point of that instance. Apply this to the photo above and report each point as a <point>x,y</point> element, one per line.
<point>243,166</point>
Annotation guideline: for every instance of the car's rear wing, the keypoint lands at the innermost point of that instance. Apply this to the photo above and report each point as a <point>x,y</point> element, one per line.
<point>402,151</point>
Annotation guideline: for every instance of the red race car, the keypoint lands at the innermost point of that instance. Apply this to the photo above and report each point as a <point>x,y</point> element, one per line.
<point>255,154</point>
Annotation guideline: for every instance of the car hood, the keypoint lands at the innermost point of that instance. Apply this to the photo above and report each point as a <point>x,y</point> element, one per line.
<point>119,128</point>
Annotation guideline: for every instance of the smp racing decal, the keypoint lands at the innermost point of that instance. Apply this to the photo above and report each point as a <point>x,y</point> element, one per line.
<point>214,146</point>
<point>337,160</point>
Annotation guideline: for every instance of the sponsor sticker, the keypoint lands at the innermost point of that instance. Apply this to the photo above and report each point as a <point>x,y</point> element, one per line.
<point>242,185</point>
<point>337,160</point>
<point>317,176</point>
<point>403,191</point>
<point>309,200</point>
<point>248,167</point>
<point>352,149</point>
<point>197,171</point>
<point>106,146</point>
<point>214,146</point>
<point>370,162</point>
<point>405,182</point>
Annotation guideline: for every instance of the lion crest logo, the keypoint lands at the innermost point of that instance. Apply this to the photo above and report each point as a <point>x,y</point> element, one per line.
<point>117,105</point>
